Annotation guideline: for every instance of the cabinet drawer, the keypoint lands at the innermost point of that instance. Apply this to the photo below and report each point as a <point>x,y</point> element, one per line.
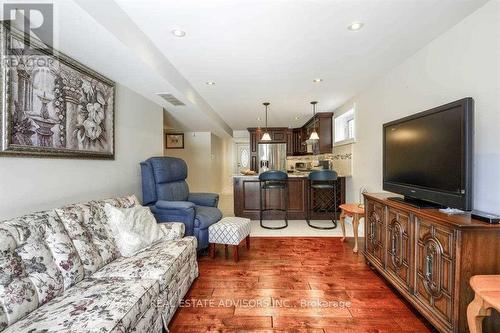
<point>435,266</point>
<point>399,247</point>
<point>375,232</point>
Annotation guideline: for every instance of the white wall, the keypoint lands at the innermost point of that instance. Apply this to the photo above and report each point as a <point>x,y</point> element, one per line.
<point>230,156</point>
<point>196,153</point>
<point>203,155</point>
<point>464,61</point>
<point>32,184</point>
<point>210,160</point>
<point>217,162</point>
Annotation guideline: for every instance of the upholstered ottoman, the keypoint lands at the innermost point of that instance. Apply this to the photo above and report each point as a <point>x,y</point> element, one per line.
<point>229,231</point>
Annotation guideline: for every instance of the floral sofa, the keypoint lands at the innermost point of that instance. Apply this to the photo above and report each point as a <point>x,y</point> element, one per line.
<point>60,271</point>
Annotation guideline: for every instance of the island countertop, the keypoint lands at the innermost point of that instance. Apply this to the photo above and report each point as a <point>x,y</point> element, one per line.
<point>290,175</point>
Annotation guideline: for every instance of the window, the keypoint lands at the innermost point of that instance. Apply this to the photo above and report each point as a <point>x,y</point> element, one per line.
<point>244,158</point>
<point>345,127</point>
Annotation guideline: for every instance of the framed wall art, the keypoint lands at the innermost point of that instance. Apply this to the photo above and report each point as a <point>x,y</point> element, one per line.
<point>174,141</point>
<point>52,105</point>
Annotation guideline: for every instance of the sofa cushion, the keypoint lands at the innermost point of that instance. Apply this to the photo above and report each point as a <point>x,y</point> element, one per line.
<point>160,262</point>
<point>17,291</point>
<point>41,270</point>
<point>63,251</point>
<point>87,227</point>
<point>75,218</point>
<point>30,275</point>
<point>206,216</point>
<point>93,305</point>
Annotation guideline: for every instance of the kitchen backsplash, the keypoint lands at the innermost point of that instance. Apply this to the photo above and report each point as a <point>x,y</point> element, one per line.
<point>341,159</point>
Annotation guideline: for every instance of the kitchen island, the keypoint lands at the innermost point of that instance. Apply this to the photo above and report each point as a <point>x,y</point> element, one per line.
<point>246,198</point>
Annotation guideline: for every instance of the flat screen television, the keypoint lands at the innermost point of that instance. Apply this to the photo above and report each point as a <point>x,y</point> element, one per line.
<point>428,156</point>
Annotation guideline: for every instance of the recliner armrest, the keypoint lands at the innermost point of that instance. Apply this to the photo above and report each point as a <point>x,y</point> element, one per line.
<point>176,211</point>
<point>174,205</point>
<point>204,199</point>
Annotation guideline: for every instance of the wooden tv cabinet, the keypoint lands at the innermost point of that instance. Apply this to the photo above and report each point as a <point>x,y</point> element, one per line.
<point>429,257</point>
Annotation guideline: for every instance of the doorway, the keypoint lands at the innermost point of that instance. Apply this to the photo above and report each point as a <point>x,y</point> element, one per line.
<point>242,157</point>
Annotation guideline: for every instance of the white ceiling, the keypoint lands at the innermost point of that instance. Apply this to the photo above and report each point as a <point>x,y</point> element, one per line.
<point>271,50</point>
<point>255,51</point>
<point>112,45</point>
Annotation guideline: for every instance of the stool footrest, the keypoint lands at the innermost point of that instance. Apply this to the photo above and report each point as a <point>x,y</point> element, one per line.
<point>274,228</point>
<point>322,228</point>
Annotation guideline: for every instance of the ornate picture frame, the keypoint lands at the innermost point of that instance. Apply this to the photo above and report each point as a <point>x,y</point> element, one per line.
<point>174,140</point>
<point>52,105</point>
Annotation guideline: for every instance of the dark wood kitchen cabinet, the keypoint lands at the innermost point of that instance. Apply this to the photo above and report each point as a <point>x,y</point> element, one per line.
<point>296,138</point>
<point>289,142</point>
<point>429,257</point>
<point>277,134</point>
<point>322,122</point>
<point>246,199</point>
<point>299,147</point>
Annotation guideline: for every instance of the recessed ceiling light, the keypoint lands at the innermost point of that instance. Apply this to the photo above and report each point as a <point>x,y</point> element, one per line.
<point>178,33</point>
<point>210,83</point>
<point>355,26</point>
<point>317,80</point>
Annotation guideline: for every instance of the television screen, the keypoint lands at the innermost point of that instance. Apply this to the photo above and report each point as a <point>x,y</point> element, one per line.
<point>427,151</point>
<point>427,156</point>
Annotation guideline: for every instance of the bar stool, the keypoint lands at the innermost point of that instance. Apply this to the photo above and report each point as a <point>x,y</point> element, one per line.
<point>322,180</point>
<point>273,180</point>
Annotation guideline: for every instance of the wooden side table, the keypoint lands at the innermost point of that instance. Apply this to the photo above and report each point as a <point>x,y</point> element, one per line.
<point>487,289</point>
<point>356,211</point>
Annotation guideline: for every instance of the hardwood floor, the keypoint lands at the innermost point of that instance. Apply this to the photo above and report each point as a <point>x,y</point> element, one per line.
<point>295,285</point>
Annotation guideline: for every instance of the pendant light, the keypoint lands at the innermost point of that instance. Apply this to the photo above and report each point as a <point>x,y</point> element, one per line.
<point>314,134</point>
<point>266,136</point>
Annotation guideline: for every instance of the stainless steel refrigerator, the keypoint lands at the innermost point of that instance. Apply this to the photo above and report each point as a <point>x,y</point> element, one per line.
<point>272,156</point>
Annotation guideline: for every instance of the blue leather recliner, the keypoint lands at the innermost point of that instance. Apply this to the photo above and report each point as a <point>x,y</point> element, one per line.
<point>166,192</point>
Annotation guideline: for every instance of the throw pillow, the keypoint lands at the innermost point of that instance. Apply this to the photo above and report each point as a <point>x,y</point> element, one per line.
<point>134,228</point>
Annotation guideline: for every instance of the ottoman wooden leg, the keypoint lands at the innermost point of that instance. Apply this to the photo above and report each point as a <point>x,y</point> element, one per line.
<point>235,253</point>
<point>248,242</point>
<point>226,253</point>
<point>211,250</point>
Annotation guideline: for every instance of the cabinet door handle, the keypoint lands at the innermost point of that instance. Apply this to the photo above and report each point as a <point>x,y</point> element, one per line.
<point>429,260</point>
<point>394,244</point>
<point>372,231</point>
